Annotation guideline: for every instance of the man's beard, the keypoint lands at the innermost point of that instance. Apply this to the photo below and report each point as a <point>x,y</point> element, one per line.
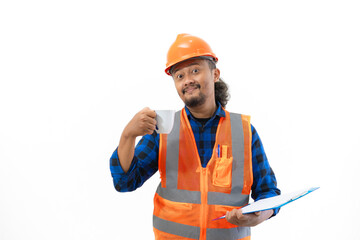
<point>195,101</point>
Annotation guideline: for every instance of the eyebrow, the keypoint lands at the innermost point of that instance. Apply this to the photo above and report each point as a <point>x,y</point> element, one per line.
<point>190,64</point>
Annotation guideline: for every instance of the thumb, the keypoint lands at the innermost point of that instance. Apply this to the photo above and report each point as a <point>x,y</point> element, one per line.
<point>257,213</point>
<point>239,213</point>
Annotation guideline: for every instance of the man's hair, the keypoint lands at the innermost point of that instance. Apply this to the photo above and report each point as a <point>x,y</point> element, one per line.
<point>222,94</point>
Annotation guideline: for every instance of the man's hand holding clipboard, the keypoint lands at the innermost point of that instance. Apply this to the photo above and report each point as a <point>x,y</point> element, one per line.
<point>268,204</point>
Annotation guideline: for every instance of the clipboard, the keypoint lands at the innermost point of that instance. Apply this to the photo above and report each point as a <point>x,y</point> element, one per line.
<point>274,202</point>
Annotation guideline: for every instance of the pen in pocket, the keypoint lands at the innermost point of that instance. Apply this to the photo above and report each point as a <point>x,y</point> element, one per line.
<point>218,150</point>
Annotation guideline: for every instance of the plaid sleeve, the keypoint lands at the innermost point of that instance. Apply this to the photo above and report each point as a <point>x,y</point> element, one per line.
<point>143,165</point>
<point>264,183</point>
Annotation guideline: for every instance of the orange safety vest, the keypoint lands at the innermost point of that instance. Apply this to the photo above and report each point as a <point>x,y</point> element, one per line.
<point>189,196</point>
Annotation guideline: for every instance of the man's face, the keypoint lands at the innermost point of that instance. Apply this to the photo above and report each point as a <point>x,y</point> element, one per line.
<point>194,82</point>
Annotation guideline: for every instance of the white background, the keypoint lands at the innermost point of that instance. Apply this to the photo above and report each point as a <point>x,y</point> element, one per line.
<point>73,73</point>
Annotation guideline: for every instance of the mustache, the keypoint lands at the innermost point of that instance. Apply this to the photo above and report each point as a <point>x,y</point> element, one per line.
<point>196,85</point>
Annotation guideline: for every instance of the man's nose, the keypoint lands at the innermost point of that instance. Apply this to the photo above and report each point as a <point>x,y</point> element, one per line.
<point>188,80</point>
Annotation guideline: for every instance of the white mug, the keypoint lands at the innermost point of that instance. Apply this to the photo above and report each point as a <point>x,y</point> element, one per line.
<point>164,120</point>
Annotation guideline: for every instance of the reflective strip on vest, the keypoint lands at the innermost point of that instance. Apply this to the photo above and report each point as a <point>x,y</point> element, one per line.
<point>227,233</point>
<point>178,229</point>
<point>191,232</point>
<point>218,202</point>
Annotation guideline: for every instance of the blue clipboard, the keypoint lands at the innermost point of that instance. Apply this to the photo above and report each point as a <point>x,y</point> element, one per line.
<point>274,202</point>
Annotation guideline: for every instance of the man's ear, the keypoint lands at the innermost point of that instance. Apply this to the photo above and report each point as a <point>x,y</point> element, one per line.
<point>216,74</point>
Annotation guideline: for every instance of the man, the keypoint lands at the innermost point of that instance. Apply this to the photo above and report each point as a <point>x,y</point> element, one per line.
<point>210,162</point>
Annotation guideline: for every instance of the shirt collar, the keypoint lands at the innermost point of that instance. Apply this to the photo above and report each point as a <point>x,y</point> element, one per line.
<point>219,111</point>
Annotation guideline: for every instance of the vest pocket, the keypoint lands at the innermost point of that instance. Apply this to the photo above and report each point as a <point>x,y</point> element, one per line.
<point>222,172</point>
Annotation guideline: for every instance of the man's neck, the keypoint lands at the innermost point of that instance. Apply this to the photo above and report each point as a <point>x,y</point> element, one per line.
<point>204,110</point>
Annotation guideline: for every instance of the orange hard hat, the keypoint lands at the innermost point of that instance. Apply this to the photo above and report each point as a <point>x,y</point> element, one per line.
<point>185,47</point>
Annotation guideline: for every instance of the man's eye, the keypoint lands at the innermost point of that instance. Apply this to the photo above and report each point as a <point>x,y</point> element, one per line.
<point>195,70</point>
<point>180,76</point>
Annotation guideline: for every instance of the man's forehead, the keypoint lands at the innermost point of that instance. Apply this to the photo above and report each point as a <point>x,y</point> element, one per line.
<point>187,63</point>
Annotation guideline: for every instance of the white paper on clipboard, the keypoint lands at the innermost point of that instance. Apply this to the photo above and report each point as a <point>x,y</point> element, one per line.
<point>274,202</point>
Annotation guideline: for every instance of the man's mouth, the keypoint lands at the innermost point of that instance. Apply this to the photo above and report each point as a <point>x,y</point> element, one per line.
<point>191,88</point>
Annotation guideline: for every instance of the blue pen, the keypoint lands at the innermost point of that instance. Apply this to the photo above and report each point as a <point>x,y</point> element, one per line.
<point>218,150</point>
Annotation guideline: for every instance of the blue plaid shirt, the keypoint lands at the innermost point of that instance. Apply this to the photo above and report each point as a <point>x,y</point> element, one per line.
<point>145,161</point>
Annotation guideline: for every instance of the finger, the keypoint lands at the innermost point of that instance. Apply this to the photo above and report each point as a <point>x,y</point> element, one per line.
<point>228,215</point>
<point>151,113</point>
<point>150,131</point>
<point>148,120</point>
<point>151,116</point>
<point>234,216</point>
<point>239,214</point>
<point>257,213</point>
<point>151,126</point>
<point>152,121</point>
<point>148,112</point>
